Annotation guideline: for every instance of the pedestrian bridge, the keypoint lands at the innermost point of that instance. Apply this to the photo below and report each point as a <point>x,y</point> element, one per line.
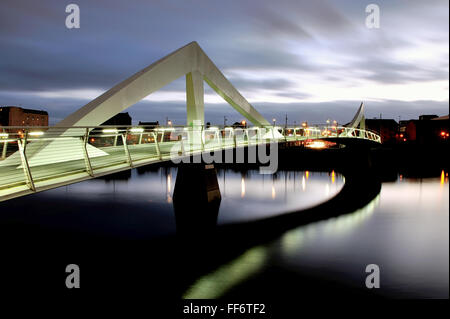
<point>34,159</point>
<point>37,159</point>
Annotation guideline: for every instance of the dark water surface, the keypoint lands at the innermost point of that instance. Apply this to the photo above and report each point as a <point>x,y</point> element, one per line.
<point>404,230</point>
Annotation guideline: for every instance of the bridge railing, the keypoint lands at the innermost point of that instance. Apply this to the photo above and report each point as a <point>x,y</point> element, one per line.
<point>327,131</point>
<point>34,157</point>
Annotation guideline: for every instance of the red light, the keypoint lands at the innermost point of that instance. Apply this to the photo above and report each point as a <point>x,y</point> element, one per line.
<point>442,133</point>
<point>404,140</point>
<point>401,135</point>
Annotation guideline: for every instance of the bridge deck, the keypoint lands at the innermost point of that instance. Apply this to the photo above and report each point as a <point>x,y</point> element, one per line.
<point>35,160</point>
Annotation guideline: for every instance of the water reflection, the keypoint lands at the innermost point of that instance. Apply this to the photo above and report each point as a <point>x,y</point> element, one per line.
<point>169,187</point>
<point>253,196</point>
<point>139,203</point>
<point>220,281</point>
<point>292,240</point>
<point>405,231</point>
<point>444,177</point>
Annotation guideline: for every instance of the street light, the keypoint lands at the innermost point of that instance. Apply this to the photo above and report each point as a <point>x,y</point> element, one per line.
<point>274,120</point>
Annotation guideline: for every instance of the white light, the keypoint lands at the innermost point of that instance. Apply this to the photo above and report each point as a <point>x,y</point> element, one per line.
<point>36,133</point>
<point>109,131</point>
<point>137,130</point>
<point>4,135</point>
<point>316,144</point>
<point>162,129</point>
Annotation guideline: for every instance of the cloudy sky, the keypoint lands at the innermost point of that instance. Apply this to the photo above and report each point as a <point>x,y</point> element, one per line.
<point>314,60</point>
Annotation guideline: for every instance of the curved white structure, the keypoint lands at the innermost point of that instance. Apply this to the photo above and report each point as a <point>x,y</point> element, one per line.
<point>190,61</point>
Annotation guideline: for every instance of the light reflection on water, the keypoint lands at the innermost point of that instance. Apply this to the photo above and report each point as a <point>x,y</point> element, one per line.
<point>255,195</point>
<point>245,195</point>
<point>405,231</point>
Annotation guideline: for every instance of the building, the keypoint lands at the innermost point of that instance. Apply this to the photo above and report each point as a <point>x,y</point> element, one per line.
<point>154,124</point>
<point>387,129</point>
<point>427,117</point>
<point>17,116</point>
<point>241,124</point>
<point>119,120</point>
<point>428,129</point>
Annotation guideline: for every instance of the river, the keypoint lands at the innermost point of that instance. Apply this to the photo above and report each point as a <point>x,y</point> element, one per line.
<point>404,230</point>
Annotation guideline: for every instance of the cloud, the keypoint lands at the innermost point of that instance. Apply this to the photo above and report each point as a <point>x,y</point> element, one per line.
<point>281,56</point>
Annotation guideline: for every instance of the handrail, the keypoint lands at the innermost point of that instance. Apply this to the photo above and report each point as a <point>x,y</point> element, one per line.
<point>36,158</point>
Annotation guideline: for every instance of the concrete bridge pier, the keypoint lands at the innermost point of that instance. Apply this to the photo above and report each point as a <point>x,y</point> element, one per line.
<point>196,199</point>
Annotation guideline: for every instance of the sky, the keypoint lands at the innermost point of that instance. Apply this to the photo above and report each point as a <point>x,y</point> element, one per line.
<point>312,60</point>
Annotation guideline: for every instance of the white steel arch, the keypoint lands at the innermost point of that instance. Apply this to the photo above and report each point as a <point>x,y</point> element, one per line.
<point>190,61</point>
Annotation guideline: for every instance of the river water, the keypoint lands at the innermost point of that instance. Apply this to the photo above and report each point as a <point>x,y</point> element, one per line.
<point>404,230</point>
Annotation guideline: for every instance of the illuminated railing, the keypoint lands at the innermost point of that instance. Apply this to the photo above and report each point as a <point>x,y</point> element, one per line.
<point>38,158</point>
<point>328,132</point>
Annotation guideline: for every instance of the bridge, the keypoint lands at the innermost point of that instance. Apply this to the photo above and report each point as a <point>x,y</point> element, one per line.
<point>35,159</point>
